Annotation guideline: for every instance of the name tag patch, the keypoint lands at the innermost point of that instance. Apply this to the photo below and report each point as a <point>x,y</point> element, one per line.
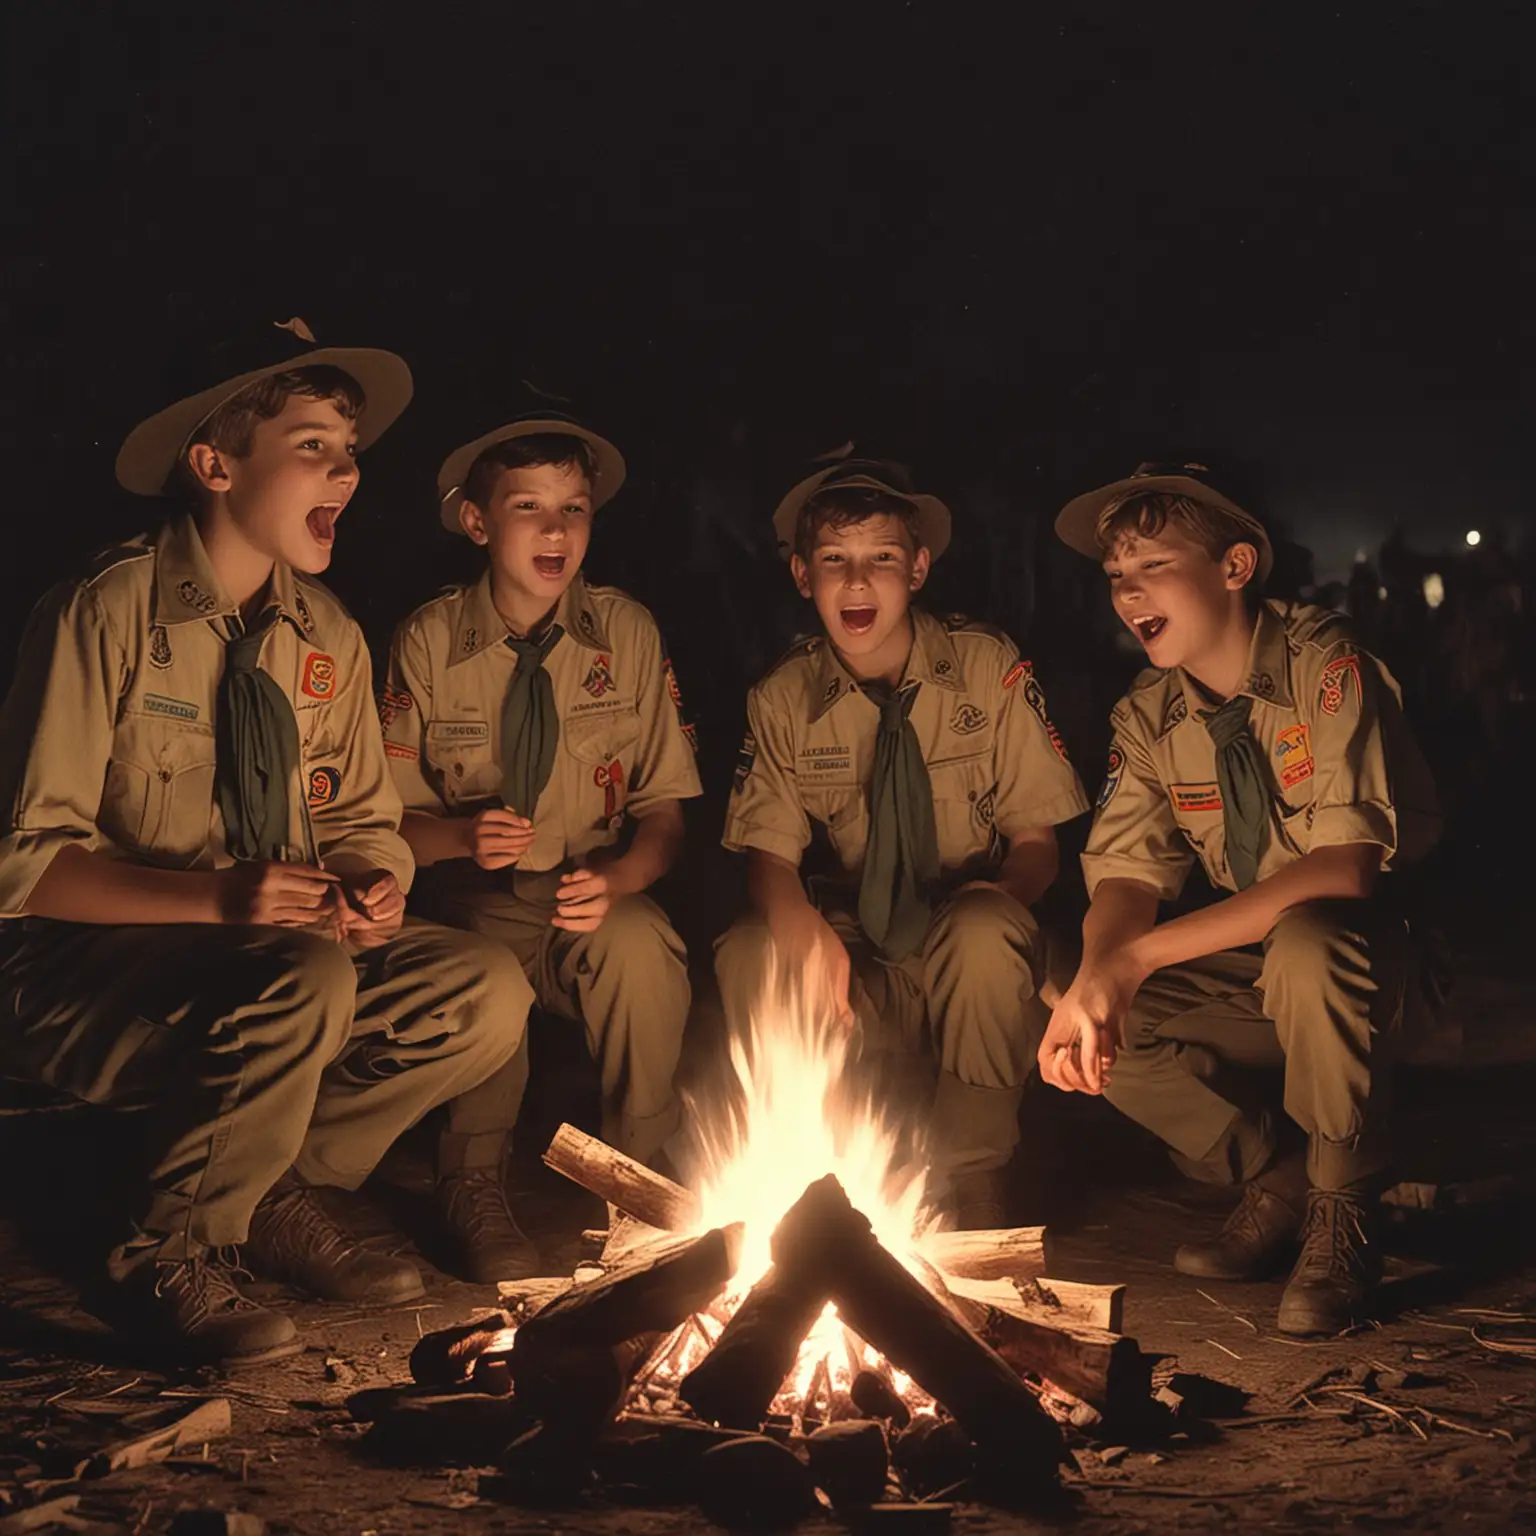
<point>177,709</point>
<point>1293,750</point>
<point>815,761</point>
<point>459,732</point>
<point>319,675</point>
<point>1195,797</point>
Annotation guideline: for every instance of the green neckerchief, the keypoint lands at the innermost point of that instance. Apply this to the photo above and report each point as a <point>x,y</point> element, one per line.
<point>257,749</point>
<point>1244,790</point>
<point>901,861</point>
<point>530,725</point>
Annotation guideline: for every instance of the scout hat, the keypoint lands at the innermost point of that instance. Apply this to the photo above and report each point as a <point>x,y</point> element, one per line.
<point>148,458</point>
<point>873,474</point>
<point>1078,521</point>
<point>606,480</point>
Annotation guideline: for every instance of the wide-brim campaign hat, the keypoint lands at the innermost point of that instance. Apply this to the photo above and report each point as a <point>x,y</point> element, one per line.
<point>1077,523</point>
<point>147,461</point>
<point>606,480</point>
<point>933,520</point>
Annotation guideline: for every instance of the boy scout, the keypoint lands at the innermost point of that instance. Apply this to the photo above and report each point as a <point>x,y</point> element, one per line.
<point>1266,743</point>
<point>922,752</point>
<point>200,873</point>
<point>530,720</point>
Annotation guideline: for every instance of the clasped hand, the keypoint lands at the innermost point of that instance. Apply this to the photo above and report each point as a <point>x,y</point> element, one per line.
<point>1085,1033</point>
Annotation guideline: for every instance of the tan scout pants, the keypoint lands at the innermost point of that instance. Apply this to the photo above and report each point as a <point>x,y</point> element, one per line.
<point>259,1048</point>
<point>627,983</point>
<point>1325,1002</point>
<point>967,1001</point>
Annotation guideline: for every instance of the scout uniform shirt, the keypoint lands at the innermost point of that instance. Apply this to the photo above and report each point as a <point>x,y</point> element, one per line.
<point>107,739</point>
<point>995,762</point>
<point>623,745</point>
<point>1328,720</point>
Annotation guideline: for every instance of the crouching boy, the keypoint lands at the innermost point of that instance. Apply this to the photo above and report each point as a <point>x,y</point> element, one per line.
<point>201,881</point>
<point>918,753</point>
<point>1266,743</point>
<point>531,722</point>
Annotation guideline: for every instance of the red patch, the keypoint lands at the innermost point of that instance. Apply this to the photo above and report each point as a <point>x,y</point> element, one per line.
<point>673,691</point>
<point>609,777</point>
<point>394,749</point>
<point>1195,797</point>
<point>1014,673</point>
<point>393,703</point>
<point>1334,681</point>
<point>319,675</point>
<point>1296,773</point>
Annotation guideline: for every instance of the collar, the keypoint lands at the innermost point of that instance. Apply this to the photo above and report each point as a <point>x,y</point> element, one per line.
<point>188,590</point>
<point>933,660</point>
<point>479,626</point>
<point>1269,667</point>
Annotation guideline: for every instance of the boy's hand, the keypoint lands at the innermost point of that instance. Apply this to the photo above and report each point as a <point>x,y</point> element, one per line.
<point>1084,1035</point>
<point>284,895</point>
<point>370,908</point>
<point>583,900</point>
<point>499,837</point>
<point>805,937</point>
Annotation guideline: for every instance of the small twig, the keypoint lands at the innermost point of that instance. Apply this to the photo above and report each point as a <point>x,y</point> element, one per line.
<point>1246,1322</point>
<point>127,1386</point>
<point>1223,1348</point>
<point>143,1519</point>
<point>362,1317</point>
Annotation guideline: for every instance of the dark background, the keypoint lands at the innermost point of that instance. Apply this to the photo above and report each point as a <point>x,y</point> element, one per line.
<point>1021,248</point>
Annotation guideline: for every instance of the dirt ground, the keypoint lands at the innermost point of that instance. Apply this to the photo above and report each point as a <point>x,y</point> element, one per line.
<point>1423,1423</point>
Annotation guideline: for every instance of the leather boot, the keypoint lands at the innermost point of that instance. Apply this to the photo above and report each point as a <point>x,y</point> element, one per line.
<point>1257,1240</point>
<point>1340,1265</point>
<point>295,1240</point>
<point>192,1309</point>
<point>490,1245</point>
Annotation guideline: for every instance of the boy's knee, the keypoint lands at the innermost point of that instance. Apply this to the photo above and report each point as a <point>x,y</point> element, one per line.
<point>636,930</point>
<point>982,940</point>
<point>1318,938</point>
<point>315,977</point>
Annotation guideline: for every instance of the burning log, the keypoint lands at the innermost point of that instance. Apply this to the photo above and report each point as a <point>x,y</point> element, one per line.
<point>880,1300</point>
<point>1010,1253</point>
<point>1105,1369</point>
<point>620,1180</point>
<point>577,1389</point>
<point>447,1356</point>
<point>522,1298</point>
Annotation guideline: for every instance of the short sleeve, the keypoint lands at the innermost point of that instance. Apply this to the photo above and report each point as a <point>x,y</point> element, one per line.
<point>56,738</point>
<point>765,809</point>
<point>665,767</point>
<point>1036,785</point>
<point>405,706</point>
<point>1134,835</point>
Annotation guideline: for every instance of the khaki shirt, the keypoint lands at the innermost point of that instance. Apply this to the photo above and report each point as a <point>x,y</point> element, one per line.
<point>623,745</point>
<point>107,736</point>
<point>1328,719</point>
<point>995,761</point>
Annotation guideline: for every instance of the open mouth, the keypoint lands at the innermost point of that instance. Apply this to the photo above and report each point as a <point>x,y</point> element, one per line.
<point>857,621</point>
<point>551,566</point>
<point>321,522</point>
<point>1148,626</point>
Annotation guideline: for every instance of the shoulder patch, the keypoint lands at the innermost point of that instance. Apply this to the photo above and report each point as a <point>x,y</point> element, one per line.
<point>1034,696</point>
<point>745,758</point>
<point>1335,683</point>
<point>1113,773</point>
<point>394,702</point>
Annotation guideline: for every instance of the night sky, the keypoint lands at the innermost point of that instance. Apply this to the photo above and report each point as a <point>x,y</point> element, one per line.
<point>1292,241</point>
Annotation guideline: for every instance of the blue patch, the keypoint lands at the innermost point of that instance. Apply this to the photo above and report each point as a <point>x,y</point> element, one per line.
<point>1112,777</point>
<point>177,709</point>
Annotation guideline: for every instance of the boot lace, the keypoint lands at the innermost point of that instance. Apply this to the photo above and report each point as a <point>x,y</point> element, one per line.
<point>295,1231</point>
<point>477,1208</point>
<point>1334,1244</point>
<point>1244,1227</point>
<point>199,1288</point>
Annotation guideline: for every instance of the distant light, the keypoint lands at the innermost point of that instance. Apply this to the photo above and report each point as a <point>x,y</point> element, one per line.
<point>1381,594</point>
<point>1361,557</point>
<point>1434,590</point>
<point>1474,538</point>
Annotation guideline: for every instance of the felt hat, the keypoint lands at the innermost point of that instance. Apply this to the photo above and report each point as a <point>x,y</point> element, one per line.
<point>1078,521</point>
<point>147,461</point>
<point>609,475</point>
<point>933,521</point>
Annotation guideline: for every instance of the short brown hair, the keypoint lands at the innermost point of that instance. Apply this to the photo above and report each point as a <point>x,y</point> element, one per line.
<point>232,427</point>
<point>563,449</point>
<point>841,506</point>
<point>1145,514</point>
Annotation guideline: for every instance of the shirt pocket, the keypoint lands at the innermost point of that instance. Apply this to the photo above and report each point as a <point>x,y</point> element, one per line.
<point>844,812</point>
<point>460,752</point>
<point>602,752</point>
<point>158,797</point>
<point>964,805</point>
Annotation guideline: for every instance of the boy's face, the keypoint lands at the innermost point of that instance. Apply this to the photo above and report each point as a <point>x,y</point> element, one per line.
<point>287,493</point>
<point>1176,598</point>
<point>861,577</point>
<point>535,530</point>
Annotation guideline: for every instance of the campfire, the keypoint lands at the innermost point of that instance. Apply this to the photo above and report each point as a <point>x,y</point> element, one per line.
<point>805,1285</point>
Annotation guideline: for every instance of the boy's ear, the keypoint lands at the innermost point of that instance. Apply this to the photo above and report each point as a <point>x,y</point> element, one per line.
<point>1239,564</point>
<point>920,564</point>
<point>472,521</point>
<point>802,574</point>
<point>208,467</point>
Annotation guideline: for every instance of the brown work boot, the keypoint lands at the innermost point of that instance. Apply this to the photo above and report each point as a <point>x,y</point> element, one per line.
<point>1340,1265</point>
<point>1259,1237</point>
<point>491,1246</point>
<point>194,1311</point>
<point>295,1240</point>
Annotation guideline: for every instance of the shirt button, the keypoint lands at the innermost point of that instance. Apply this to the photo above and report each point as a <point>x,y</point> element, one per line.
<point>165,775</point>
